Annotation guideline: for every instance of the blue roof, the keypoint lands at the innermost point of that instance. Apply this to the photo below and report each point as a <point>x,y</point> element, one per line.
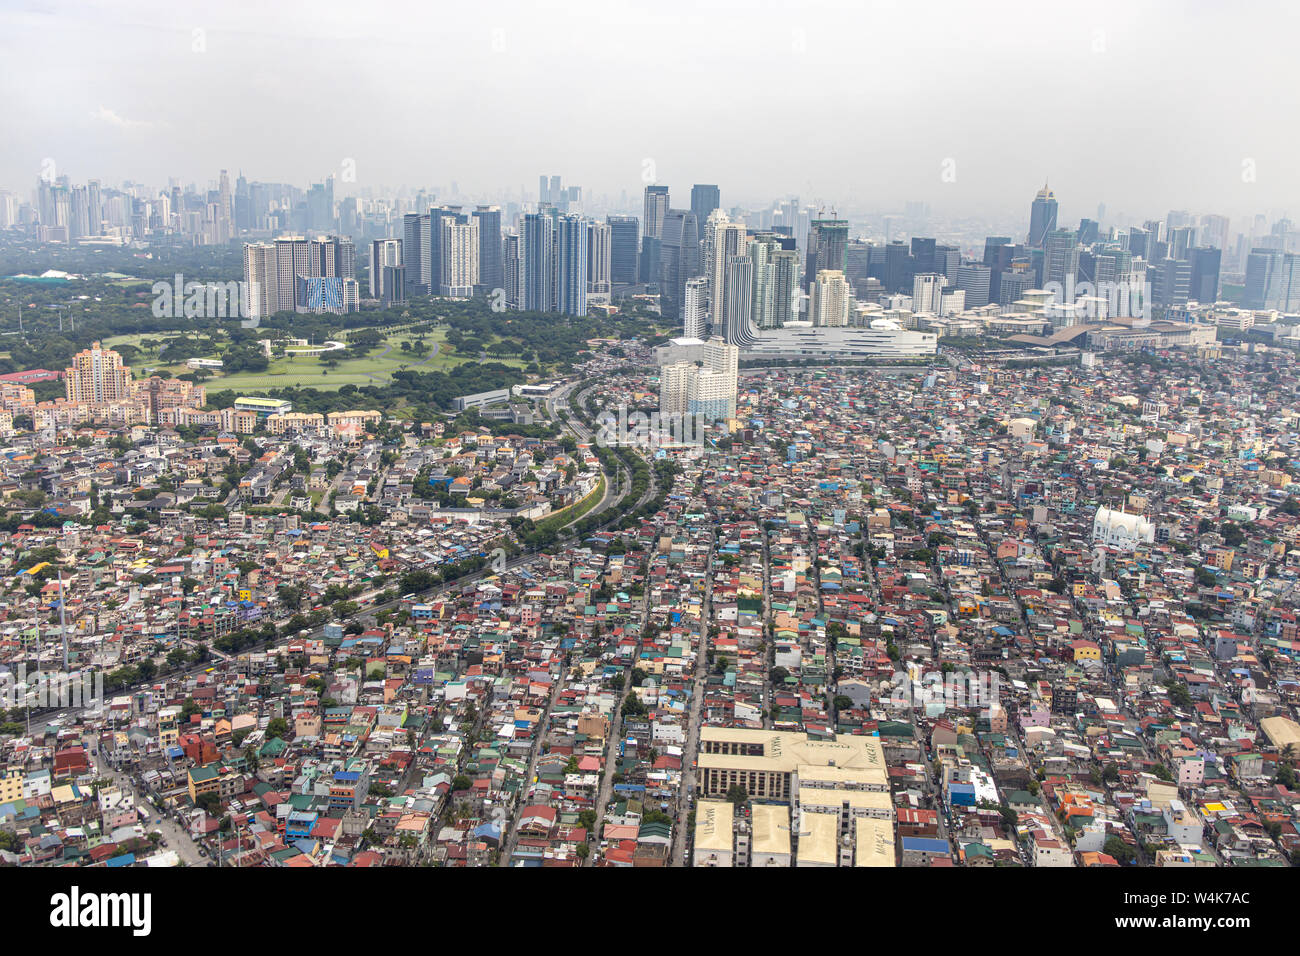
<point>925,845</point>
<point>126,859</point>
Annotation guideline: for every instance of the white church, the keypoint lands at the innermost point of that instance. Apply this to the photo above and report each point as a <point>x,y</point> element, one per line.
<point>1120,530</point>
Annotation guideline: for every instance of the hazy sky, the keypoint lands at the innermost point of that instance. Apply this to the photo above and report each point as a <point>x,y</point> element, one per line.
<point>966,105</point>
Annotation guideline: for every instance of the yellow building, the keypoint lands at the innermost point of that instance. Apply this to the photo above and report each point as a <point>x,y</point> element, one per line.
<point>714,836</point>
<point>771,764</point>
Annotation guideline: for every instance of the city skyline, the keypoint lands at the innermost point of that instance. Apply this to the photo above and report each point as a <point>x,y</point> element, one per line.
<point>234,100</point>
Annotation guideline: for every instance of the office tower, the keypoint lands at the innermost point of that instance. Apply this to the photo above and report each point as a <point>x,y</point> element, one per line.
<point>927,290</point>
<point>648,271</point>
<point>624,238</point>
<point>491,274</point>
<point>857,264</point>
<point>1205,274</point>
<point>656,207</point>
<point>94,197</point>
<point>1042,217</point>
<point>737,298</point>
<point>458,246</point>
<point>947,260</point>
<point>1138,240</point>
<point>714,393</point>
<point>414,228</point>
<point>1181,239</point>
<point>320,206</point>
<point>923,255</point>
<point>723,241</point>
<point>512,247</point>
<point>538,262</point>
<point>679,259</point>
<point>1171,282</point>
<point>1061,258</point>
<point>599,258</point>
<point>973,279</point>
<point>830,299</point>
<point>97,375</point>
<point>695,310</point>
<point>828,241</point>
<point>1013,285</point>
<point>8,210</point>
<point>1111,267</point>
<point>704,199</point>
<point>762,248</point>
<point>571,265</point>
<point>786,288</point>
<point>898,267</point>
<point>1273,280</point>
<point>556,191</point>
<point>543,190</point>
<point>383,253</point>
<point>394,286</point>
<point>79,223</point>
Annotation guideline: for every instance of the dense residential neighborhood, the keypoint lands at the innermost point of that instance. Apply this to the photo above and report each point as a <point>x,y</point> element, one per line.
<point>954,615</point>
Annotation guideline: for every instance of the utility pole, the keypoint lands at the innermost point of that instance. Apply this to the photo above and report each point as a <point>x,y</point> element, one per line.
<point>63,623</point>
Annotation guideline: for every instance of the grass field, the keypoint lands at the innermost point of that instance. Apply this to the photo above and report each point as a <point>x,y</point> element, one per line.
<point>376,368</point>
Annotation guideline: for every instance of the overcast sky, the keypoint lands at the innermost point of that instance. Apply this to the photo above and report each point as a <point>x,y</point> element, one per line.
<point>966,105</point>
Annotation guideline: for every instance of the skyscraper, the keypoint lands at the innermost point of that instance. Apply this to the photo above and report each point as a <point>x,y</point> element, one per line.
<point>491,273</point>
<point>513,268</point>
<point>599,258</point>
<point>571,265</point>
<point>537,255</point>
<point>927,292</point>
<point>656,207</point>
<point>737,300</point>
<point>1042,217</point>
<point>1273,280</point>
<point>414,227</point>
<point>831,299</point>
<point>973,279</point>
<point>458,246</point>
<point>828,242</point>
<point>1060,257</point>
<point>786,290</point>
<point>724,240</point>
<point>695,307</point>
<point>704,199</point>
<point>679,259</point>
<point>624,235</point>
<point>383,253</point>
<point>1205,274</point>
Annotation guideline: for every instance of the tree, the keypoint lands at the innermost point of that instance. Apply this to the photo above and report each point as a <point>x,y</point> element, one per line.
<point>461,783</point>
<point>737,794</point>
<point>278,727</point>
<point>1121,851</point>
